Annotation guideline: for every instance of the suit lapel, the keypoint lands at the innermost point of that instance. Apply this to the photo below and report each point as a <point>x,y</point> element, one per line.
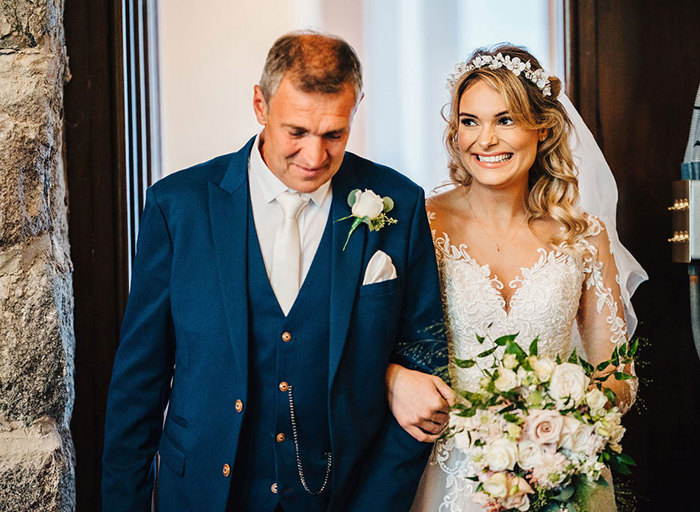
<point>345,267</point>
<point>228,215</point>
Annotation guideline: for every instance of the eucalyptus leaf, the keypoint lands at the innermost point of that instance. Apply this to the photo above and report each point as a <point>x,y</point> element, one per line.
<point>565,494</point>
<point>352,197</point>
<point>388,204</point>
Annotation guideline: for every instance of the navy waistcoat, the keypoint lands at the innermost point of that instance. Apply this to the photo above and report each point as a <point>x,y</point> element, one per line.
<point>291,350</point>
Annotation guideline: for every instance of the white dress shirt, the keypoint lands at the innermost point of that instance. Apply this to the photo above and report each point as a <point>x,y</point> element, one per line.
<point>267,213</point>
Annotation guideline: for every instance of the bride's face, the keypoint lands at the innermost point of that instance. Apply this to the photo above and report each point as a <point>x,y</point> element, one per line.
<point>496,151</point>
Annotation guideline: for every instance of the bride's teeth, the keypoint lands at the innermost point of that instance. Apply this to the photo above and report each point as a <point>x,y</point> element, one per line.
<point>493,159</point>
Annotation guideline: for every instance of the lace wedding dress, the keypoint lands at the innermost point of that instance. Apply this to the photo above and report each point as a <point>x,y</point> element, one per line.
<point>566,285</point>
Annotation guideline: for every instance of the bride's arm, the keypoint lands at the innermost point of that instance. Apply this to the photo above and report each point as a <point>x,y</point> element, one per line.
<point>420,402</point>
<point>601,317</point>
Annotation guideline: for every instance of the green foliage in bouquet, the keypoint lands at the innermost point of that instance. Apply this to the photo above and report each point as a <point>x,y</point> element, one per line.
<point>540,431</point>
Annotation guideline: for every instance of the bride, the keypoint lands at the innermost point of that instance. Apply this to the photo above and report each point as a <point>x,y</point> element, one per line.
<point>517,254</point>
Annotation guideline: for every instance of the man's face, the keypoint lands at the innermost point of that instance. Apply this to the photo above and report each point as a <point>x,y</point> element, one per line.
<point>305,133</point>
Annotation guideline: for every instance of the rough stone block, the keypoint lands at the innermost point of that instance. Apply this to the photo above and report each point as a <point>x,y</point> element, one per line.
<point>30,144</point>
<point>23,23</point>
<point>36,468</point>
<point>36,332</point>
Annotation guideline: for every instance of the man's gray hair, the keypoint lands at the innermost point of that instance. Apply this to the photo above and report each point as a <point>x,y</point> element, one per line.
<point>314,62</point>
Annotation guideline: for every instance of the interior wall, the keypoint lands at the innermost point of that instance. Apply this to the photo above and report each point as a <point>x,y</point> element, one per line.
<point>207,74</point>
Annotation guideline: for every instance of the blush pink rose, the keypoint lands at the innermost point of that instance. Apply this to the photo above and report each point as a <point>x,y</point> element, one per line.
<point>544,426</point>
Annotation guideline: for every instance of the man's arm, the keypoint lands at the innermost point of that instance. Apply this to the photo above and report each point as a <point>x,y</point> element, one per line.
<point>397,461</point>
<point>142,371</point>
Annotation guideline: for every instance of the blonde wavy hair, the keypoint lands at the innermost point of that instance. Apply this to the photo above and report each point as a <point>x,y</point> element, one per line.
<point>553,181</point>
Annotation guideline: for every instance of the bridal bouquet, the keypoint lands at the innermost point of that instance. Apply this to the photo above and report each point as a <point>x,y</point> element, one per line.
<point>540,431</point>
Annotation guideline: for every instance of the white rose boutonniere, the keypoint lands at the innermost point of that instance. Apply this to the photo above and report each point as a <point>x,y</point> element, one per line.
<point>368,208</point>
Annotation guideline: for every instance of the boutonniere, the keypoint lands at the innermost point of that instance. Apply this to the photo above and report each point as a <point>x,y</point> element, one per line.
<point>368,208</point>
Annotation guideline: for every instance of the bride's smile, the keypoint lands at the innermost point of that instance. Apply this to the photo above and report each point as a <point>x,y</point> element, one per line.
<point>490,140</point>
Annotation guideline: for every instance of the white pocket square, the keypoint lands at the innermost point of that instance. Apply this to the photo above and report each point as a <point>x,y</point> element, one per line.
<point>380,268</point>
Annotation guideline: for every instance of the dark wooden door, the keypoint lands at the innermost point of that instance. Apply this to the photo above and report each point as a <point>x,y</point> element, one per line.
<point>635,70</point>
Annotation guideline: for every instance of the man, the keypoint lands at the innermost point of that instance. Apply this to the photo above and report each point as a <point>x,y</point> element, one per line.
<point>268,335</point>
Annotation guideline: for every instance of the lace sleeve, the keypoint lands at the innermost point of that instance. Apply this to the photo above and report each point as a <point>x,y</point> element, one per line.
<point>601,319</point>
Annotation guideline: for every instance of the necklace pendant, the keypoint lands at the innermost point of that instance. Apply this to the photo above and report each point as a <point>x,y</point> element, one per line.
<point>498,248</point>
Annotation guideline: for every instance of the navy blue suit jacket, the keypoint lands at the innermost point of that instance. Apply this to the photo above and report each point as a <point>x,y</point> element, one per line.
<point>184,339</point>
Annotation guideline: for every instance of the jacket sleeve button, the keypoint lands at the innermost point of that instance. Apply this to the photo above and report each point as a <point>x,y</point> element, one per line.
<point>226,470</point>
<point>239,405</point>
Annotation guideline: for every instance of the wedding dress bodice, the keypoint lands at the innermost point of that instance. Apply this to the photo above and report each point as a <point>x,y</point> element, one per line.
<point>545,303</point>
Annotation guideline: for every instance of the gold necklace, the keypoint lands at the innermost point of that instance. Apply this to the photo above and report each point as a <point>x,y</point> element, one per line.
<point>486,231</point>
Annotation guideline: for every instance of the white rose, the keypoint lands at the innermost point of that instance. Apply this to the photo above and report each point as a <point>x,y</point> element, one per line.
<point>497,485</point>
<point>596,400</point>
<point>568,385</point>
<point>501,454</point>
<point>510,361</point>
<point>594,445</point>
<point>507,379</point>
<point>529,453</point>
<point>543,368</point>
<point>367,204</point>
<point>575,435</point>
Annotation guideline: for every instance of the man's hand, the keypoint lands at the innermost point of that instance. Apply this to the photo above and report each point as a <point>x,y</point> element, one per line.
<point>420,402</point>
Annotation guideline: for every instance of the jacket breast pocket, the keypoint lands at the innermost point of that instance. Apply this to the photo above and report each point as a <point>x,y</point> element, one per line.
<point>171,455</point>
<point>381,288</point>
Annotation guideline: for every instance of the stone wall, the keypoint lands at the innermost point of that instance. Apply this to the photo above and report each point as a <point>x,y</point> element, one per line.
<point>36,304</point>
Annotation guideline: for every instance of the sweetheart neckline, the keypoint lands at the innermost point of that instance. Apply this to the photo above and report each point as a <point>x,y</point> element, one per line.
<point>525,274</point>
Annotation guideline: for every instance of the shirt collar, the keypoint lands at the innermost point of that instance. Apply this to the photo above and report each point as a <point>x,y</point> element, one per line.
<point>271,186</point>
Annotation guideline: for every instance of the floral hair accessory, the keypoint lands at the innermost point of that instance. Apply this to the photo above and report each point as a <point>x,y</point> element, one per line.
<point>539,77</point>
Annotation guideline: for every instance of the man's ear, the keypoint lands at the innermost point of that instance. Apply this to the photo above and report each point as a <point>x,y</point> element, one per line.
<point>260,106</point>
<point>357,103</point>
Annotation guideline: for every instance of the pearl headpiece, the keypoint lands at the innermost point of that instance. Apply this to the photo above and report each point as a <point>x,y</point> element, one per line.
<point>538,76</point>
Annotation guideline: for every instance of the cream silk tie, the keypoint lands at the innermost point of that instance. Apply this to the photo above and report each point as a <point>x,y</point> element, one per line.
<point>286,255</point>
